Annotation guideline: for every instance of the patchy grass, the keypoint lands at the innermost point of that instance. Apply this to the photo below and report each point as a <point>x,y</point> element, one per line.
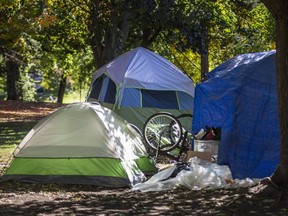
<point>74,97</point>
<point>16,119</point>
<point>11,134</point>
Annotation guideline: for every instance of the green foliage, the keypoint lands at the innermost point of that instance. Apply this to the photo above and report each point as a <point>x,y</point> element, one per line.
<point>234,27</point>
<point>78,67</point>
<point>253,31</point>
<point>18,26</point>
<point>28,87</point>
<point>47,36</point>
<point>2,78</point>
<point>58,37</point>
<point>17,17</point>
<point>64,46</point>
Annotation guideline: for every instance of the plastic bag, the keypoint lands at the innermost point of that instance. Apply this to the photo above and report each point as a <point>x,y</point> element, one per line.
<point>158,182</point>
<point>202,174</point>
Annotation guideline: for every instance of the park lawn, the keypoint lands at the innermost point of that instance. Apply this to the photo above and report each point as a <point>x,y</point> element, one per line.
<point>11,134</point>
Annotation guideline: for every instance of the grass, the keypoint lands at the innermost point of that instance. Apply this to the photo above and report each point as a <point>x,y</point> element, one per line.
<point>68,98</point>
<point>74,97</point>
<point>11,134</point>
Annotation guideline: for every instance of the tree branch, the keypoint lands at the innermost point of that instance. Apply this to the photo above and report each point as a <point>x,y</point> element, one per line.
<point>11,54</point>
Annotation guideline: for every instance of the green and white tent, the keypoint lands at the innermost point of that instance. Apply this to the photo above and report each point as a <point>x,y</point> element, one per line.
<point>81,143</point>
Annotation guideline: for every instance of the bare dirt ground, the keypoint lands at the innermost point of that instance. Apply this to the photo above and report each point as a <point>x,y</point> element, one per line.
<point>50,199</point>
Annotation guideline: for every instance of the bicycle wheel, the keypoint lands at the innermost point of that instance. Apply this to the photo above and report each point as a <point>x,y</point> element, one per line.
<point>186,123</point>
<point>162,131</point>
<point>134,127</point>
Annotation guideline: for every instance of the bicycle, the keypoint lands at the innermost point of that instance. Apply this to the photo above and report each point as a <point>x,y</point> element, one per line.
<point>168,135</point>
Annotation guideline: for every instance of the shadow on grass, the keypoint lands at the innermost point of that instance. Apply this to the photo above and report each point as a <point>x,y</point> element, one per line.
<point>11,134</point>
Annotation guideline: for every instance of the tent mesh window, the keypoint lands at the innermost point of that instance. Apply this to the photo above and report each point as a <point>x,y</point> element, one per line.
<point>103,90</point>
<point>96,88</point>
<point>110,92</point>
<point>159,99</point>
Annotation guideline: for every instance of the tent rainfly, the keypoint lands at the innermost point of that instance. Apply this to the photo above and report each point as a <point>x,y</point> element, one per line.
<point>81,143</point>
<point>240,97</point>
<point>140,83</point>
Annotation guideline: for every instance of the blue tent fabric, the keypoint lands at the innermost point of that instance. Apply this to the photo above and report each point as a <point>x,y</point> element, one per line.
<point>133,97</point>
<point>240,97</point>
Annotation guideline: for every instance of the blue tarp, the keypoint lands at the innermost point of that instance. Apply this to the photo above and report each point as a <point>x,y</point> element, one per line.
<point>240,97</point>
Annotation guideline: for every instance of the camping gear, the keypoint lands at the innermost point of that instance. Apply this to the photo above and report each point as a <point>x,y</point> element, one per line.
<point>207,146</point>
<point>81,143</point>
<point>199,174</point>
<point>168,135</point>
<point>207,141</point>
<point>140,83</point>
<point>240,97</point>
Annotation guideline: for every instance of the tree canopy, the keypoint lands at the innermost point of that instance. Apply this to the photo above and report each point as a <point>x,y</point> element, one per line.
<point>65,41</point>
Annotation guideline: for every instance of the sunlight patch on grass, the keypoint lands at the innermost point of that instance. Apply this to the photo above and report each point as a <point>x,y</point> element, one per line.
<point>11,134</point>
<point>6,153</point>
<point>74,97</point>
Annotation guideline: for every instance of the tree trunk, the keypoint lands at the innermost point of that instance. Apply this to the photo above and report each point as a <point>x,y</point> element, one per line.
<point>62,87</point>
<point>149,36</point>
<point>107,41</point>
<point>279,10</point>
<point>204,54</point>
<point>281,175</point>
<point>14,90</point>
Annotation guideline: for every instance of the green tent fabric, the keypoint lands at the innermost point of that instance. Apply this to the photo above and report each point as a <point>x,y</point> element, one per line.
<point>81,143</point>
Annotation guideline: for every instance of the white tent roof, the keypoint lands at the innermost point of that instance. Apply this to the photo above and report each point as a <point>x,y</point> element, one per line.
<point>82,130</point>
<point>141,68</point>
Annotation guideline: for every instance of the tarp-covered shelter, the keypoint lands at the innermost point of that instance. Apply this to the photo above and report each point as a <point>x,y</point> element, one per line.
<point>81,143</point>
<point>140,83</point>
<point>240,97</point>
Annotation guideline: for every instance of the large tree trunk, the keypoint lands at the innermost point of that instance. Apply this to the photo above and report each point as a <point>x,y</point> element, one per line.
<point>281,175</point>
<point>279,9</point>
<point>62,87</point>
<point>14,90</point>
<point>107,41</point>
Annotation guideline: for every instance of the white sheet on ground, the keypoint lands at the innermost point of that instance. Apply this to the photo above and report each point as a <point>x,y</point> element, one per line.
<point>202,174</point>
